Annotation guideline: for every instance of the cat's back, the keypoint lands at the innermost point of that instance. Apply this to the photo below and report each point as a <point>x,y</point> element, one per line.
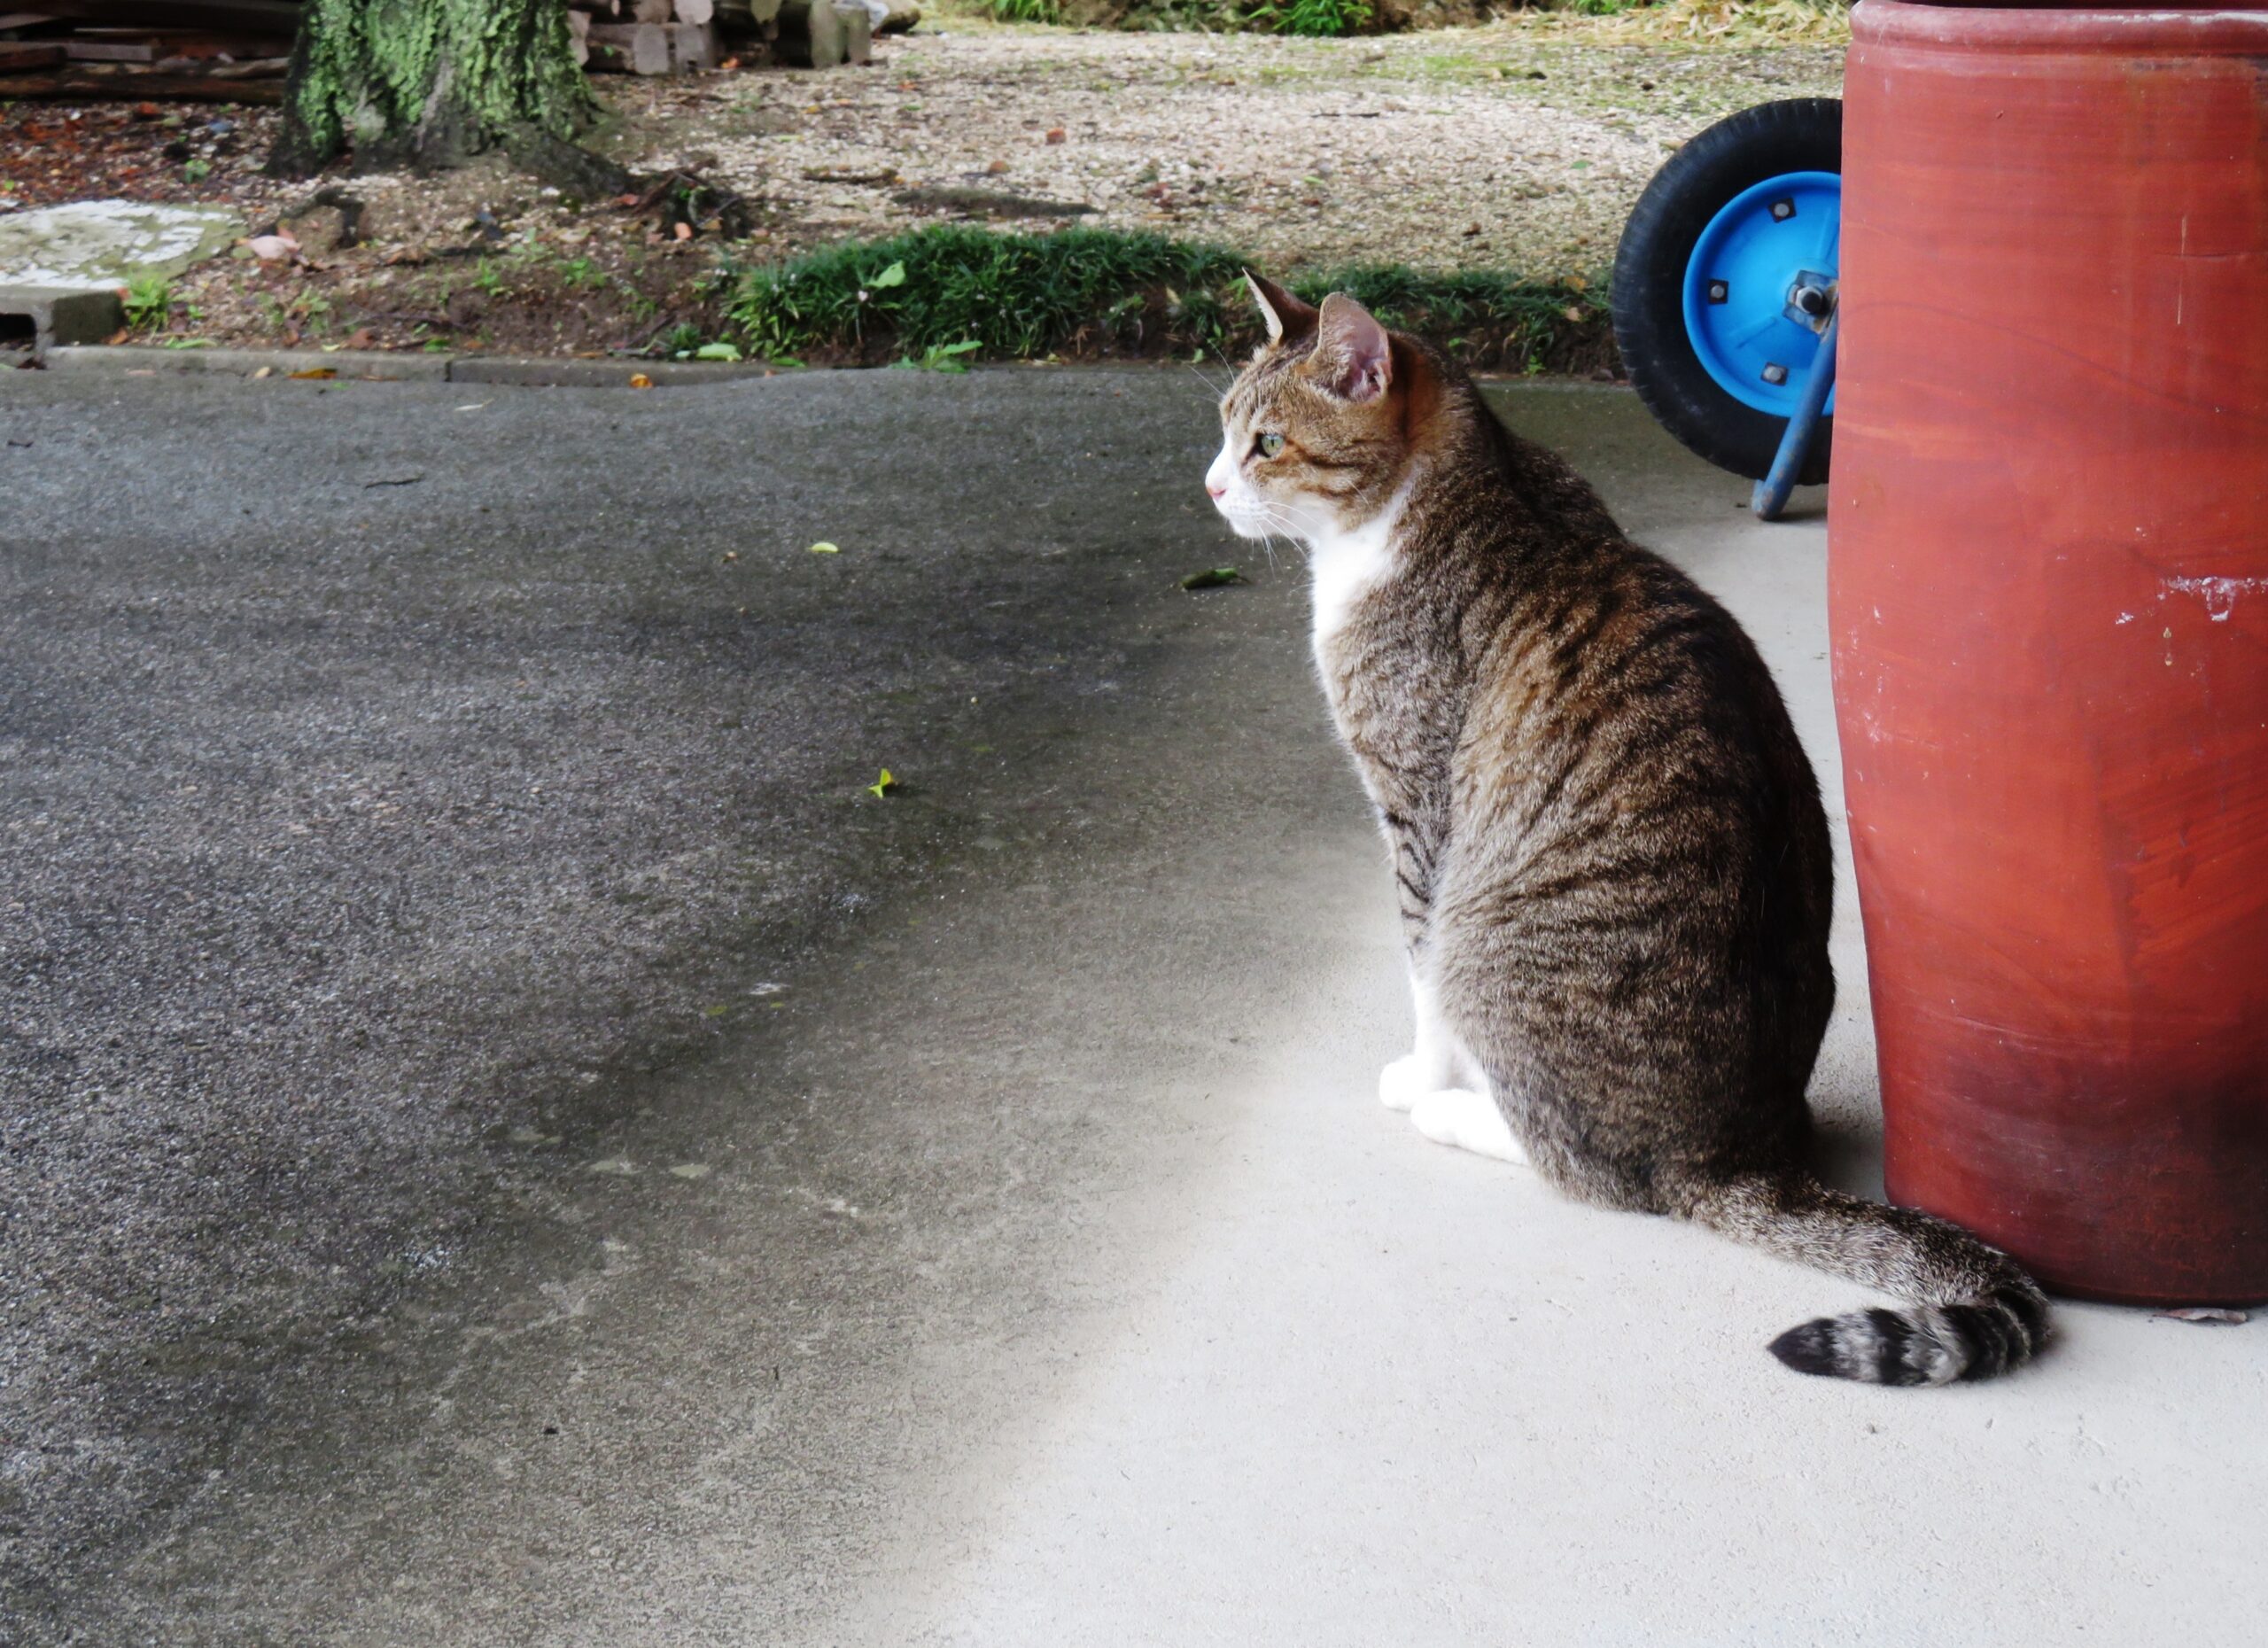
<point>1615,710</point>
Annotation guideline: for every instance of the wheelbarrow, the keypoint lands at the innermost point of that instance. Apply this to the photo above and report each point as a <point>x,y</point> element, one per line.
<point>1724,294</point>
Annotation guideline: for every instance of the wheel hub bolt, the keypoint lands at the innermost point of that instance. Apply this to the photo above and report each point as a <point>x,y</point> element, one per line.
<point>1719,291</point>
<point>1811,300</point>
<point>1774,373</point>
<point>1782,210</point>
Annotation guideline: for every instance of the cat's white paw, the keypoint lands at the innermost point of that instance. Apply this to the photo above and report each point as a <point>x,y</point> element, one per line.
<point>1471,1121</point>
<point>1407,1080</point>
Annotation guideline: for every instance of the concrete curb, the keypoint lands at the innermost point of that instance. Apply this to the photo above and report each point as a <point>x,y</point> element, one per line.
<point>381,366</point>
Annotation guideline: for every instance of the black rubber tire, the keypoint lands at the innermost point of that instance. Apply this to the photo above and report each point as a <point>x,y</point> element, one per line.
<point>1801,135</point>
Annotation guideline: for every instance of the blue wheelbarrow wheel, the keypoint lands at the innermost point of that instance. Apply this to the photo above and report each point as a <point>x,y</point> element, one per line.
<point>1741,224</point>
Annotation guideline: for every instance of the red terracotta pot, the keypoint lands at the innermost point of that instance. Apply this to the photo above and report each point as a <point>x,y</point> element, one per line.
<point>2048,528</point>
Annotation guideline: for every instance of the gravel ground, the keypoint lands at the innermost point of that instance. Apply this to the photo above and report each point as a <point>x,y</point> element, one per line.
<point>1520,144</point>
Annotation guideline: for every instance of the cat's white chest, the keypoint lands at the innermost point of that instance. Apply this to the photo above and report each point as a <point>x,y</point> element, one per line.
<point>1347,566</point>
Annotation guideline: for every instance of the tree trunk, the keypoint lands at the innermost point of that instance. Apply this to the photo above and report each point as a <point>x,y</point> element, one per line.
<point>423,84</point>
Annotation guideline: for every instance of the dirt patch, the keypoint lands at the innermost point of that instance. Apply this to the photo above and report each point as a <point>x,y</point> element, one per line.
<point>1519,144</point>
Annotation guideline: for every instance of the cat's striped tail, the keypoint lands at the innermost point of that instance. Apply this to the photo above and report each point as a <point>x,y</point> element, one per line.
<point>1973,1313</point>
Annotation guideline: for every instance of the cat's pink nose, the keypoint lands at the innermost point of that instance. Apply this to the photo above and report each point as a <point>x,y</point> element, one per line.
<point>1213,492</point>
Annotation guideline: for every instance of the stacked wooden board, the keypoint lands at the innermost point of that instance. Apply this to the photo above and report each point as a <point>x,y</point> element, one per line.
<point>670,36</point>
<point>646,36</point>
<point>239,50</point>
<point>160,50</point>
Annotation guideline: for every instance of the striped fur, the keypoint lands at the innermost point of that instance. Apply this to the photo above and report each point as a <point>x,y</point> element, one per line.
<point>1607,844</point>
<point>1975,1316</point>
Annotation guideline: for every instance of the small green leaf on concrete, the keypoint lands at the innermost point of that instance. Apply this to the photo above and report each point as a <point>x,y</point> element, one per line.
<point>825,548</point>
<point>881,786</point>
<point>717,352</point>
<point>1213,578</point>
<point>717,1010</point>
<point>691,1169</point>
<point>613,1167</point>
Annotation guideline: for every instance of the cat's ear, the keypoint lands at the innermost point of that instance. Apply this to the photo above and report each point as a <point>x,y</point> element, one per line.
<point>1285,316</point>
<point>1354,359</point>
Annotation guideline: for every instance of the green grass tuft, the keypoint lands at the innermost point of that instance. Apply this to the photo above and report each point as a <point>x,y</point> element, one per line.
<point>148,300</point>
<point>1308,17</point>
<point>1093,293</point>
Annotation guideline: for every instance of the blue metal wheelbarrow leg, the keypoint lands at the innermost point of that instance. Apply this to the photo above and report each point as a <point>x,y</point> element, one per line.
<point>1771,495</point>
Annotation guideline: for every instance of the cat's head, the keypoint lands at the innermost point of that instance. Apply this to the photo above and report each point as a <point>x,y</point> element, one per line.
<point>1315,429</point>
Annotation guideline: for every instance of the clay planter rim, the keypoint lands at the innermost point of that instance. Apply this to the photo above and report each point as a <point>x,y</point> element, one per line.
<point>2175,27</point>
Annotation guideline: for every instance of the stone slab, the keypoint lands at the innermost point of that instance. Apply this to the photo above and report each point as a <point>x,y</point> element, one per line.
<point>106,243</point>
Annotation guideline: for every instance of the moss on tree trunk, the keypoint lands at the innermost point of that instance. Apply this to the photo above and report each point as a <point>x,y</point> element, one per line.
<point>424,83</point>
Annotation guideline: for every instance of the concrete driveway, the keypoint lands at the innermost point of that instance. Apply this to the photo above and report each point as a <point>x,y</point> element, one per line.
<point>505,1142</point>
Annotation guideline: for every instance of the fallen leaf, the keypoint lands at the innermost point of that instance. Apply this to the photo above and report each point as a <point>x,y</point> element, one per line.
<point>1056,135</point>
<point>881,786</point>
<point>318,371</point>
<point>1213,578</point>
<point>271,248</point>
<point>639,380</point>
<point>616,1167</point>
<point>265,371</point>
<point>997,168</point>
<point>690,1169</point>
<point>362,337</point>
<point>2207,1313</point>
<point>824,548</point>
<point>684,231</point>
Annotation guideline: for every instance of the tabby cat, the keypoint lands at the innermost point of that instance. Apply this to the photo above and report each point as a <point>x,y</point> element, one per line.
<point>1613,864</point>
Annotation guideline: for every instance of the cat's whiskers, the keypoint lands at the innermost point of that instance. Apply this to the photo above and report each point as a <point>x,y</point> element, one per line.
<point>1219,391</point>
<point>1280,517</point>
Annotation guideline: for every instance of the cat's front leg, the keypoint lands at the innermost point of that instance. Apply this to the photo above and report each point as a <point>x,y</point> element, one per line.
<point>1442,1086</point>
<point>1431,1065</point>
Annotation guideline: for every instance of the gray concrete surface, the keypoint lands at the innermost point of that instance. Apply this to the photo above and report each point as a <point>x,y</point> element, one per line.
<point>1033,1264</point>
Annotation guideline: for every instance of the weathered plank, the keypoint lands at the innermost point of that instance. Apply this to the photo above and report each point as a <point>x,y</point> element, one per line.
<point>142,88</point>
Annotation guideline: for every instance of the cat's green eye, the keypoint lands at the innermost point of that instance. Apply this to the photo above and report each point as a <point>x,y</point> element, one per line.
<point>1269,446</point>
